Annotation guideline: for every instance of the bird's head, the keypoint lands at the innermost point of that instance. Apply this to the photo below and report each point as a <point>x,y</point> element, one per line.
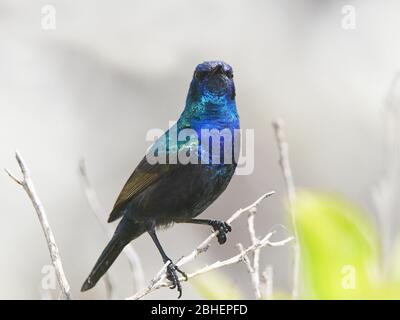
<point>212,83</point>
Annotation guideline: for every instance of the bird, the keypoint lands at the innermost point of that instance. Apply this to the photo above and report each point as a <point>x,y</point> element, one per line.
<point>165,188</point>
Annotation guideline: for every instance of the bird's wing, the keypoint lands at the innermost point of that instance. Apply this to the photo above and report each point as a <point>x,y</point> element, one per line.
<point>146,174</point>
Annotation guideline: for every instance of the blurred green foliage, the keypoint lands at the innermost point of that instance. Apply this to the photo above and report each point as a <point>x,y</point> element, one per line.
<point>339,250</point>
<point>340,255</point>
<point>395,265</point>
<point>215,286</point>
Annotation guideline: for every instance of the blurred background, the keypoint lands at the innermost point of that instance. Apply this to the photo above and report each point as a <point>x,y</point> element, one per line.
<point>92,87</point>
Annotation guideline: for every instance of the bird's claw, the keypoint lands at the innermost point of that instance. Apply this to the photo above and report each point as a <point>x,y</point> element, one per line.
<point>223,228</point>
<point>172,276</point>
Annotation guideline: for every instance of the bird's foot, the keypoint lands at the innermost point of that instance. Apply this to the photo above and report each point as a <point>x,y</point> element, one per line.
<point>172,276</point>
<point>223,228</point>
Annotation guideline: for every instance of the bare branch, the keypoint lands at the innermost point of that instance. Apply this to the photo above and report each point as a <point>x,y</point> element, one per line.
<point>218,264</point>
<point>160,279</point>
<point>385,191</point>
<point>268,282</point>
<point>136,266</point>
<point>29,188</point>
<point>129,251</point>
<point>255,275</point>
<point>13,177</point>
<point>202,247</point>
<point>284,163</point>
<point>91,196</point>
<point>94,204</point>
<point>245,259</point>
<point>238,258</point>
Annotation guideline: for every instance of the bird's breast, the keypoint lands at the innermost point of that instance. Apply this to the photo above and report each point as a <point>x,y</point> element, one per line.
<point>185,194</point>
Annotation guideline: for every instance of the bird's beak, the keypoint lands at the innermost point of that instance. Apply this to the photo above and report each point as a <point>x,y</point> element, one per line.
<point>217,70</point>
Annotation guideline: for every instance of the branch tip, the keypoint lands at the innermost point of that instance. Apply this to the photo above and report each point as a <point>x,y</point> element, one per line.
<point>13,177</point>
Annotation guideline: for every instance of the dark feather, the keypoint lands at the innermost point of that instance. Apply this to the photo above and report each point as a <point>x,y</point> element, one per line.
<point>144,176</point>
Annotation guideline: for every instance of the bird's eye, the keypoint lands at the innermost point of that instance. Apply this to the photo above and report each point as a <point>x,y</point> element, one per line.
<point>229,74</point>
<point>200,75</point>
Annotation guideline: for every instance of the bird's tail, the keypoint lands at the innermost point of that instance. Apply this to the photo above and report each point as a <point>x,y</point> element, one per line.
<point>125,233</point>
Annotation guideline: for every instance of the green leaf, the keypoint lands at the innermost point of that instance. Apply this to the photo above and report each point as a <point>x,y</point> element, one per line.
<point>339,248</point>
<point>395,261</point>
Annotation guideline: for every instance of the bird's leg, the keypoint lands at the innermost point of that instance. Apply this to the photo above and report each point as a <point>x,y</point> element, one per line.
<point>222,227</point>
<point>172,268</point>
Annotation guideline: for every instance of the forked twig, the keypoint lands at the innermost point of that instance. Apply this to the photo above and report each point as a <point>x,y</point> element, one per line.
<point>160,280</point>
<point>27,183</point>
<point>284,163</point>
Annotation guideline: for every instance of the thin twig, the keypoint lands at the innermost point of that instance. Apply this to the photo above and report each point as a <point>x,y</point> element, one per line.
<point>202,247</point>
<point>160,277</point>
<point>218,264</point>
<point>238,258</point>
<point>245,259</point>
<point>385,192</point>
<point>29,188</point>
<point>255,275</point>
<point>129,251</point>
<point>94,204</point>
<point>284,163</point>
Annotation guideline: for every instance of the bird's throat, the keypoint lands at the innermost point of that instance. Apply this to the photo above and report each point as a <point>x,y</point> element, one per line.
<point>205,114</point>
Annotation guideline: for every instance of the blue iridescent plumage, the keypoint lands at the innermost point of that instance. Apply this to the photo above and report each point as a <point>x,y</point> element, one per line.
<point>210,105</point>
<point>210,102</point>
